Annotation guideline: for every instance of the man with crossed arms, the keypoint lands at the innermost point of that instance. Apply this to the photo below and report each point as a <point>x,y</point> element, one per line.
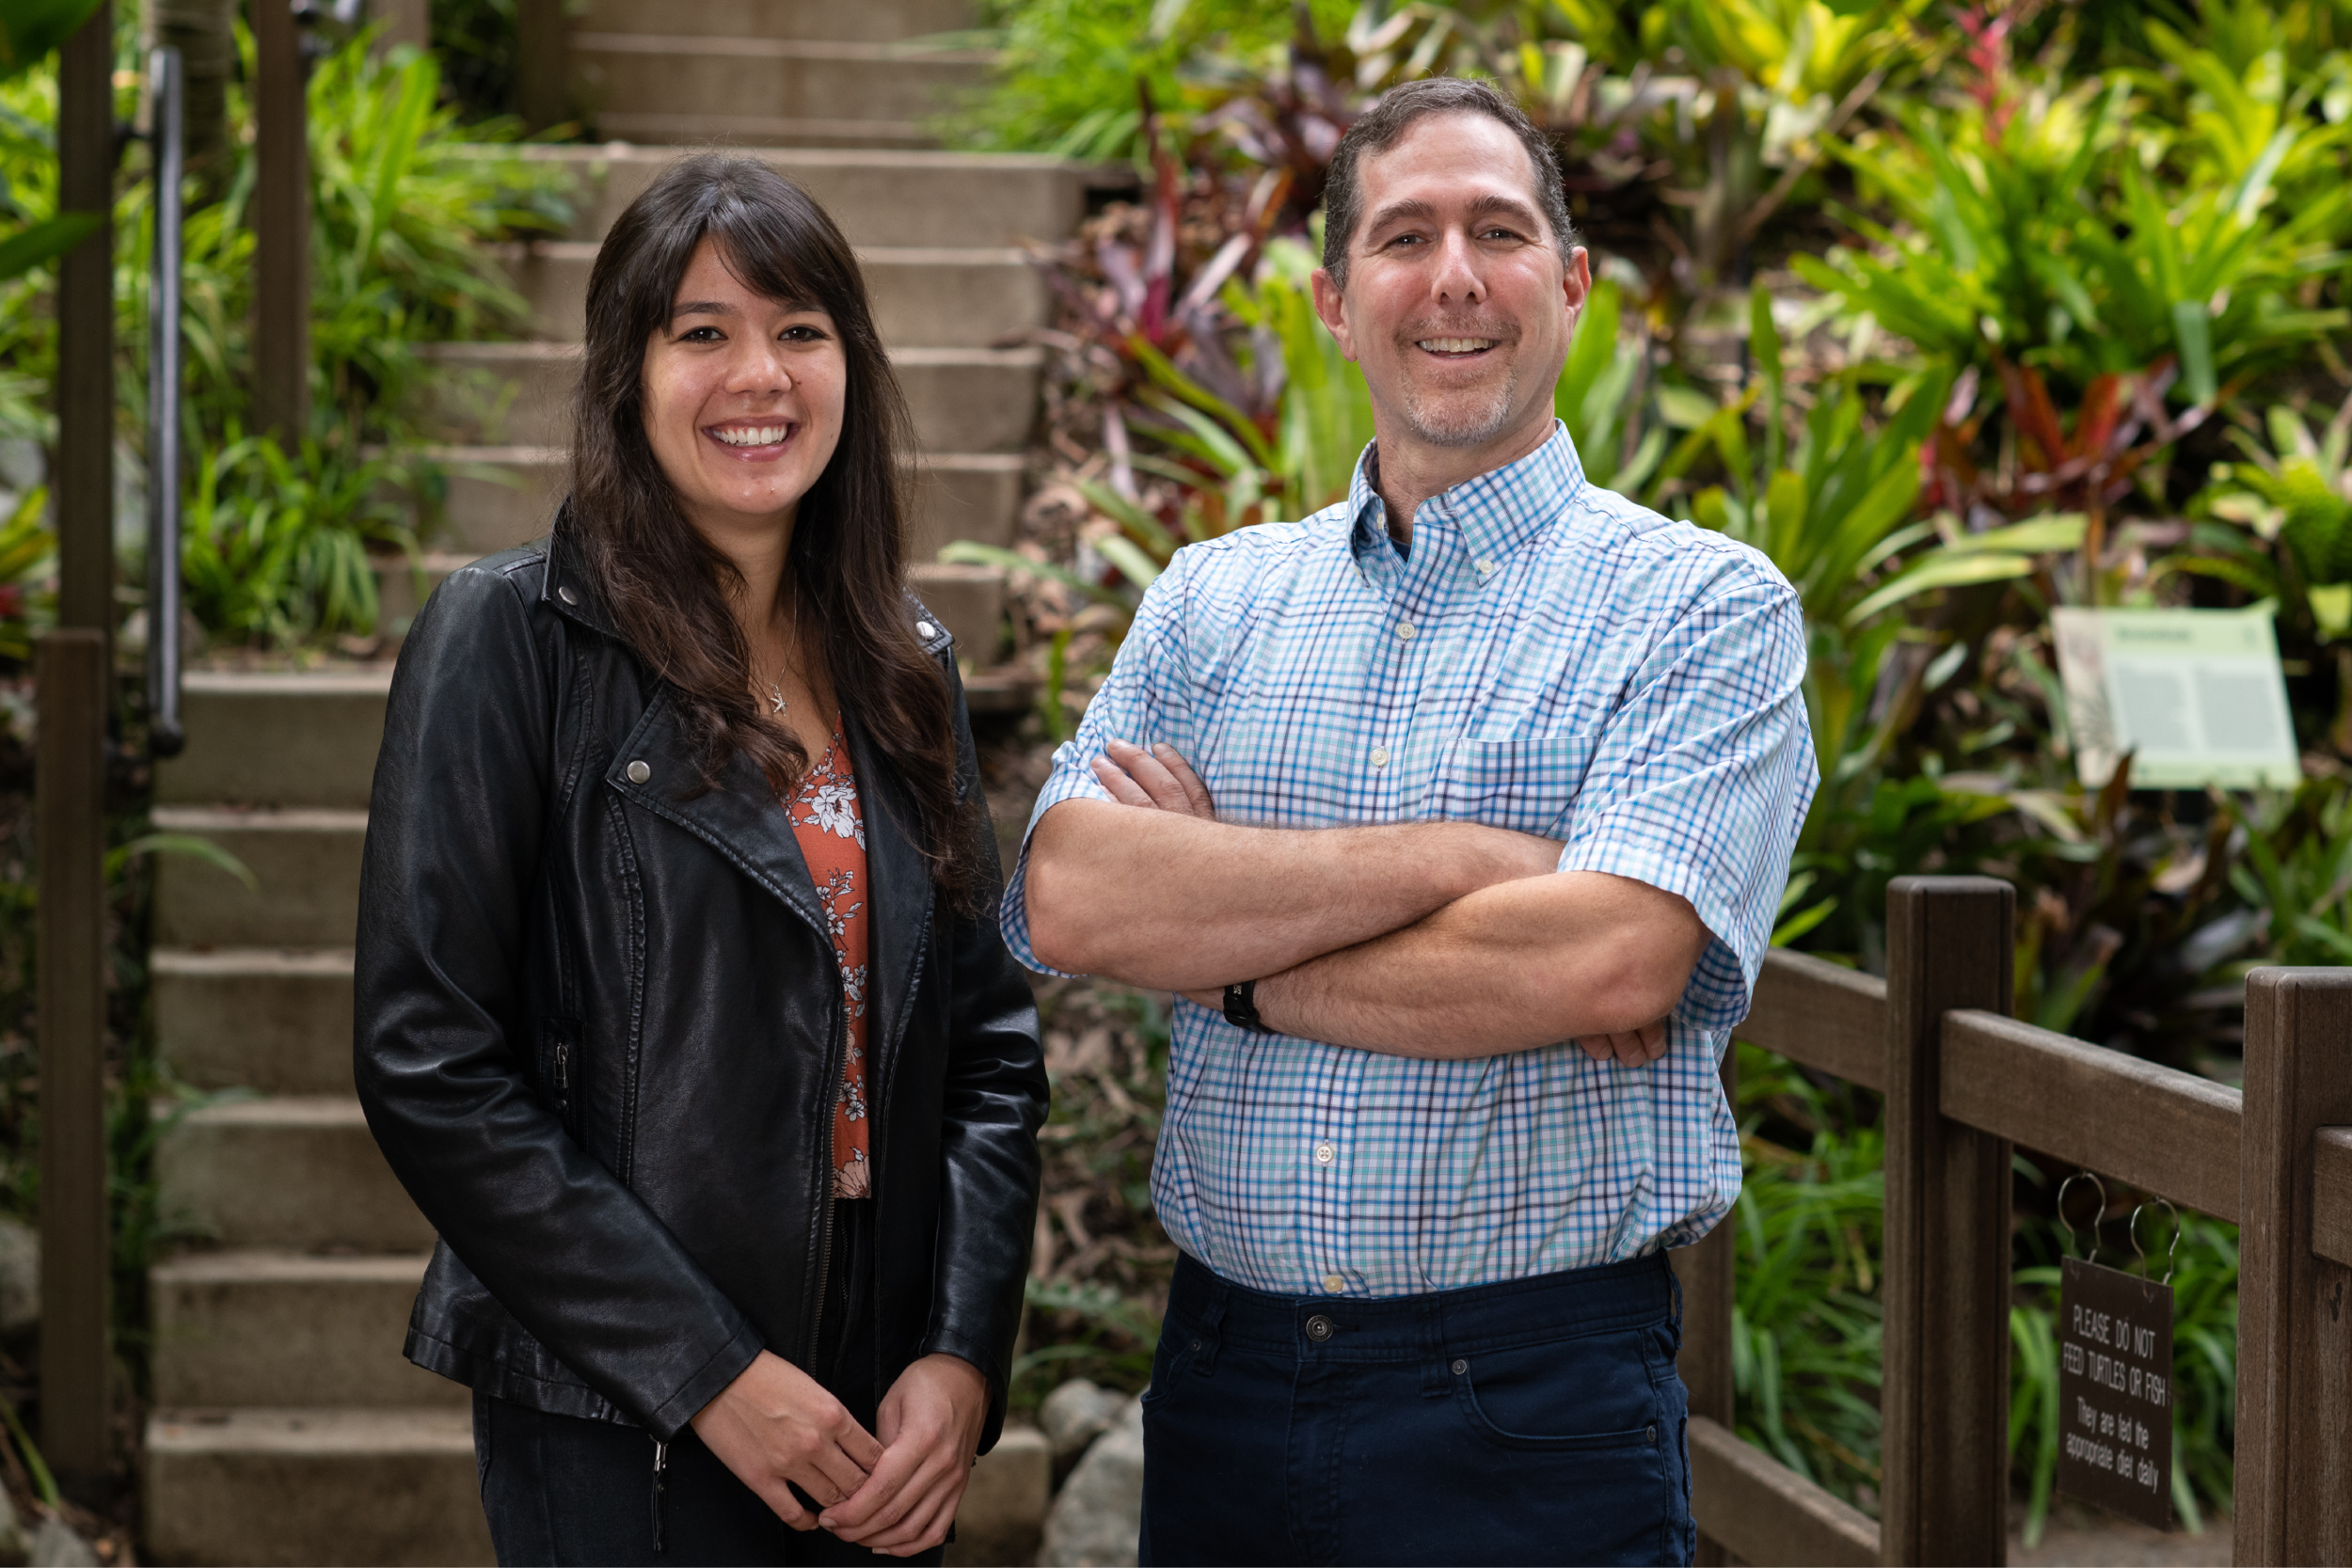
<point>1458,815</point>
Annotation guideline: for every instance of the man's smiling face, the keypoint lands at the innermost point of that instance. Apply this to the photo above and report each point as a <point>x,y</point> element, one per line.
<point>1458,303</point>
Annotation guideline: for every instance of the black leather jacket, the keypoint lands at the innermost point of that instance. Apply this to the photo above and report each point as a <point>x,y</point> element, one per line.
<point>600,1029</point>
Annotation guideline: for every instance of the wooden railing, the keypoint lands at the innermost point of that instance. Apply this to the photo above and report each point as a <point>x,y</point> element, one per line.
<point>1965,1083</point>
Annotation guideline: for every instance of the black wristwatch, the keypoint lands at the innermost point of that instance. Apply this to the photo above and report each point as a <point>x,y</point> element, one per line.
<point>1241,1008</point>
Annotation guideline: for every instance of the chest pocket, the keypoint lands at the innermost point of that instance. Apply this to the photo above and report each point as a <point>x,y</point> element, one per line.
<point>1527,785</point>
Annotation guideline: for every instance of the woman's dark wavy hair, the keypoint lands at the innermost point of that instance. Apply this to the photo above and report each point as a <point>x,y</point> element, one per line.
<point>667,587</point>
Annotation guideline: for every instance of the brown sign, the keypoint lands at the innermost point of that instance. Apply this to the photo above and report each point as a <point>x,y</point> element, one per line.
<point>2115,1391</point>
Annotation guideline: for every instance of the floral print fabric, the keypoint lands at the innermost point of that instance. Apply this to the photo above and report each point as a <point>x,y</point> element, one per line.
<point>831,834</point>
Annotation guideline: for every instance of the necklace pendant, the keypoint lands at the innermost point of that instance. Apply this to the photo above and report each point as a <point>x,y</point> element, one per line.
<point>775,695</point>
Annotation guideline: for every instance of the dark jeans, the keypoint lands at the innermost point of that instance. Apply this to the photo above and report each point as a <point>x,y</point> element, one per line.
<point>560,1490</point>
<point>1538,1421</point>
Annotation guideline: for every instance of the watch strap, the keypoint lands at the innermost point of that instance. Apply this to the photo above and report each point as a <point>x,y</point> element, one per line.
<point>1241,1008</point>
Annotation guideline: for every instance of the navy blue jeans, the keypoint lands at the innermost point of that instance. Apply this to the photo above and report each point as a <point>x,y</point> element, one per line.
<point>1536,1421</point>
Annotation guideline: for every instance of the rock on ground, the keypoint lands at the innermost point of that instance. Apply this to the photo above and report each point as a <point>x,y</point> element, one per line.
<point>1076,1414</point>
<point>56,1545</point>
<point>1004,1503</point>
<point>1096,1519</point>
<point>14,1546</point>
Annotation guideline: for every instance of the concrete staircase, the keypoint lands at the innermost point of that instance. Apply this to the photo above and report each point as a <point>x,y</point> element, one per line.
<point>288,1429</point>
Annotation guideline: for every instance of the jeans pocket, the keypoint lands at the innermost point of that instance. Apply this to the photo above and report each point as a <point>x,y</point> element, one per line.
<point>1180,1346</point>
<point>1585,1395</point>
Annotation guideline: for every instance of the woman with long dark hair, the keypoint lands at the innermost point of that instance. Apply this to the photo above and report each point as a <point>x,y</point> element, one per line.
<point>681,1012</point>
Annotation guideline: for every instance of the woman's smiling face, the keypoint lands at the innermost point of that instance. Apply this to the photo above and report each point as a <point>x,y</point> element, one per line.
<point>742,399</point>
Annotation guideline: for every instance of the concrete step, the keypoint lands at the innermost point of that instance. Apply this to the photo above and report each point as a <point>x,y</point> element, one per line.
<point>306,859</point>
<point>271,1486</point>
<point>963,400</point>
<point>276,738</point>
<point>270,1020</point>
<point>274,1486</point>
<point>500,496</point>
<point>259,1327</point>
<point>682,89</point>
<point>292,1171</point>
<point>967,296</point>
<point>870,22</point>
<point>880,198</point>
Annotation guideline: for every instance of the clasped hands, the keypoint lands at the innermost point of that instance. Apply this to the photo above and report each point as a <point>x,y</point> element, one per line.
<point>1159,779</point>
<point>893,1491</point>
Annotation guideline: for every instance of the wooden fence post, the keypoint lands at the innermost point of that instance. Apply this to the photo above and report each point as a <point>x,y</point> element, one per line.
<point>86,370</point>
<point>2294,1502</point>
<point>69,783</point>
<point>1706,1271</point>
<point>282,228</point>
<point>542,62</point>
<point>1945,1403</point>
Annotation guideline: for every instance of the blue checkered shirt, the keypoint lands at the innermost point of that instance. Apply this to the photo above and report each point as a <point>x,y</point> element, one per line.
<point>1548,657</point>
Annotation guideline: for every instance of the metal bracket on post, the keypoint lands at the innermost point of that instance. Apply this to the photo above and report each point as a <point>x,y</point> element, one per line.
<point>2295,1309</point>
<point>1945,1395</point>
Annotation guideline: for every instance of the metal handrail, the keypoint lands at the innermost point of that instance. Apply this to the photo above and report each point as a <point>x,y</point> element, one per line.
<point>165,736</point>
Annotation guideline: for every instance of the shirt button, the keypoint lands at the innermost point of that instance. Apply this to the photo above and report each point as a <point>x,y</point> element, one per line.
<point>1334,1283</point>
<point>1320,1328</point>
<point>1486,566</point>
<point>639,773</point>
<point>1404,631</point>
<point>1379,756</point>
<point>1324,1154</point>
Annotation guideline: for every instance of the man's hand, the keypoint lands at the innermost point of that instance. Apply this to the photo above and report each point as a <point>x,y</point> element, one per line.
<point>1158,778</point>
<point>1161,778</point>
<point>929,1423</point>
<point>775,1425</point>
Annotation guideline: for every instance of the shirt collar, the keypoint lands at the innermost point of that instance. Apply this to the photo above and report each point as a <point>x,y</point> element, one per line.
<point>1495,513</point>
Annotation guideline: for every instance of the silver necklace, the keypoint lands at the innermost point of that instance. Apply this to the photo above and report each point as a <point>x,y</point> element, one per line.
<point>775,687</point>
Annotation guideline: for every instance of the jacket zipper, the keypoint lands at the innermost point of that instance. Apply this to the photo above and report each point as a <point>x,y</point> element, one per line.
<point>660,1464</point>
<point>824,1200</point>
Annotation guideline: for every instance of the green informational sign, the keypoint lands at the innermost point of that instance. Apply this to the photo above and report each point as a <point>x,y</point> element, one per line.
<point>2193,695</point>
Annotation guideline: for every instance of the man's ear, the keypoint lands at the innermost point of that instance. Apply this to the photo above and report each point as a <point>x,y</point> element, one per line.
<point>1577,280</point>
<point>1329,309</point>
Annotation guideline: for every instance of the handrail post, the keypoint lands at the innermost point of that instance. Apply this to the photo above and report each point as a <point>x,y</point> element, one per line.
<point>1945,1403</point>
<point>2294,1487</point>
<point>69,806</point>
<point>1705,1270</point>
<point>282,228</point>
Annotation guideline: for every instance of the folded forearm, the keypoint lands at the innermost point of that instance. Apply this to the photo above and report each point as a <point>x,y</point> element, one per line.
<point>1508,968</point>
<point>1172,902</point>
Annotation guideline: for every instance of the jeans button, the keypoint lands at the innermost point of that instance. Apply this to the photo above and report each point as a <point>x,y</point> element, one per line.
<point>1460,1366</point>
<point>1319,1328</point>
<point>1653,1437</point>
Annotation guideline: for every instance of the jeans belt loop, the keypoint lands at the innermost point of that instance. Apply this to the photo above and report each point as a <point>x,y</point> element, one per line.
<point>1212,1319</point>
<point>1437,1376</point>
<point>1677,1280</point>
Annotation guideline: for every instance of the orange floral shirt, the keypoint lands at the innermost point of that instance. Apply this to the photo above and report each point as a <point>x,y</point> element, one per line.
<point>831,833</point>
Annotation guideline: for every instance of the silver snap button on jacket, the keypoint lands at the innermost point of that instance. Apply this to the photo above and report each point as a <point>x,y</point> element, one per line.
<point>639,773</point>
<point>923,628</point>
<point>568,595</point>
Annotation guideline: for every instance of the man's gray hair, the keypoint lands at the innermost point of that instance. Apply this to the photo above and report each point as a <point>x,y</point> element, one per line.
<point>1386,121</point>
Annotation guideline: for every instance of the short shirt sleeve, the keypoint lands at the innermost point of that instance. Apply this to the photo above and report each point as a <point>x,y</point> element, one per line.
<point>1145,701</point>
<point>1702,778</point>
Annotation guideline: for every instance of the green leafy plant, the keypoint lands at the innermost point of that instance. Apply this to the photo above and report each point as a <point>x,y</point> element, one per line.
<point>277,545</point>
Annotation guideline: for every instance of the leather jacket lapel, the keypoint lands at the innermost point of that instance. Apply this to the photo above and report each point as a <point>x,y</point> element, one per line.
<point>901,896</point>
<point>742,818</point>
